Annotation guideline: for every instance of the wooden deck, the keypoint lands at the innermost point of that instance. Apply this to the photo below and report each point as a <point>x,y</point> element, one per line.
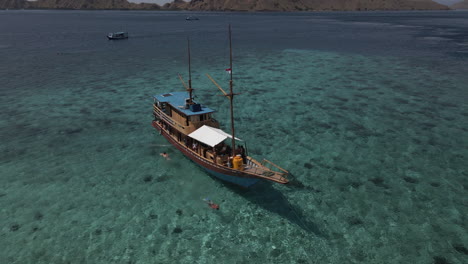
<point>260,170</point>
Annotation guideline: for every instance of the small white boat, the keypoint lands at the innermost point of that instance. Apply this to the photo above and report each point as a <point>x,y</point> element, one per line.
<point>117,35</point>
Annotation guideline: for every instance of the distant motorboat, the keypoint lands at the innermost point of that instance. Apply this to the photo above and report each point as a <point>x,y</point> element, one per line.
<point>117,35</point>
<point>191,18</point>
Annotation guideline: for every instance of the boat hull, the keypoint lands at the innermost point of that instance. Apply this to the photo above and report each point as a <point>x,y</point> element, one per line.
<point>233,176</point>
<point>116,38</point>
<point>244,182</point>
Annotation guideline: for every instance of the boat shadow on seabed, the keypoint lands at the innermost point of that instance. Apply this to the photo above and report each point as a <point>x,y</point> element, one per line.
<point>266,196</point>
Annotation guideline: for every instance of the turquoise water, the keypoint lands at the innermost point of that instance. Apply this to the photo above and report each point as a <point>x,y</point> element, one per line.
<point>366,110</point>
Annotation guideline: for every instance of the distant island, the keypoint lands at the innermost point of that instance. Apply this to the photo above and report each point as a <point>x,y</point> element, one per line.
<point>461,5</point>
<point>230,5</point>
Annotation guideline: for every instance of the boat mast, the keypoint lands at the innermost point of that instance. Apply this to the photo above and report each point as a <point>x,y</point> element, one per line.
<point>231,96</point>
<point>190,90</point>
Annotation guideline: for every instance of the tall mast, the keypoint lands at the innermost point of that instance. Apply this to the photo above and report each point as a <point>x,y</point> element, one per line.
<point>231,95</point>
<point>190,74</point>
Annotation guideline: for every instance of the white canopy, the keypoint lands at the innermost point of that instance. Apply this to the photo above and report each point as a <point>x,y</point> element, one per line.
<point>210,135</point>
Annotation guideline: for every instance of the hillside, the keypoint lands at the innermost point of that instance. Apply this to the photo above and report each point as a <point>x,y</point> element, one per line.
<point>304,5</point>
<point>461,5</point>
<point>233,5</point>
<point>75,4</point>
<point>12,4</point>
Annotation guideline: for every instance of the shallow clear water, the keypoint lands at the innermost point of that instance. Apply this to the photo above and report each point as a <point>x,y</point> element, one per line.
<point>367,111</point>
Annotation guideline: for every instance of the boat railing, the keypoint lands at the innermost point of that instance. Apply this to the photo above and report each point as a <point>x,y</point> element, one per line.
<point>165,117</point>
<point>265,161</point>
<point>260,166</point>
<point>261,170</point>
<point>158,111</point>
<point>252,166</point>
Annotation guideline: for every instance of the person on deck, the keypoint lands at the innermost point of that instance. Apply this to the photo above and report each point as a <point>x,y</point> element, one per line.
<point>242,152</point>
<point>223,150</point>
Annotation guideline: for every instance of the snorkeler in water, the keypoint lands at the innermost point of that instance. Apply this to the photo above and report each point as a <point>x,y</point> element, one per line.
<point>211,204</point>
<point>165,155</point>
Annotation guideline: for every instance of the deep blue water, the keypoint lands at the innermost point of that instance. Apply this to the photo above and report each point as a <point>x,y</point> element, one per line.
<point>368,111</point>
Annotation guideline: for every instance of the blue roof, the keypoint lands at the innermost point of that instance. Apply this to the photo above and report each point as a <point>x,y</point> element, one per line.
<point>177,100</point>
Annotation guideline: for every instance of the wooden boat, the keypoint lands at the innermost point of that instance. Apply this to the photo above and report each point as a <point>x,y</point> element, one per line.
<point>191,18</point>
<point>192,129</point>
<point>117,35</point>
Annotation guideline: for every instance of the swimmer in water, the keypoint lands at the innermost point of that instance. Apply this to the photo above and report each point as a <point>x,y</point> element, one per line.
<point>211,204</point>
<point>165,155</point>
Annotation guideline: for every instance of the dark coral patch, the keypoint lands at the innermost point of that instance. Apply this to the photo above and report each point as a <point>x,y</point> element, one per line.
<point>38,216</point>
<point>147,178</point>
<point>14,227</point>
<point>354,221</point>
<point>153,216</point>
<point>379,182</point>
<point>71,131</point>
<point>355,184</point>
<point>461,249</point>
<point>440,260</point>
<point>276,253</point>
<point>410,180</point>
<point>177,230</point>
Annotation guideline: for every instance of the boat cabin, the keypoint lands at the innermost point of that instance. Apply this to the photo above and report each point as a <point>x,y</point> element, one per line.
<point>182,113</point>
